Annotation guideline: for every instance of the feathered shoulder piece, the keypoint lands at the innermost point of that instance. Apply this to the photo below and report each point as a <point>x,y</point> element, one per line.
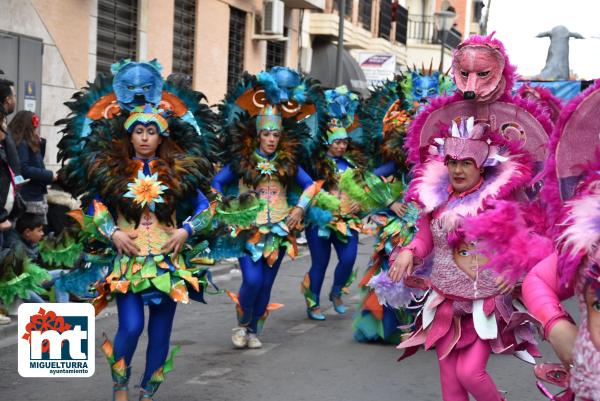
<point>575,133</point>
<point>507,169</point>
<point>276,99</point>
<point>180,169</point>
<point>542,96</point>
<point>579,226</point>
<point>133,84</point>
<point>384,118</point>
<point>386,115</point>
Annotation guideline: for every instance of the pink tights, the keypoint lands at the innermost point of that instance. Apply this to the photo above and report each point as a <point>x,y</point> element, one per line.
<point>463,372</point>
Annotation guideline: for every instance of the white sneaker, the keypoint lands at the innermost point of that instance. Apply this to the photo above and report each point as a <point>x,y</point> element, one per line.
<point>301,240</point>
<point>239,337</point>
<point>253,341</point>
<point>4,319</point>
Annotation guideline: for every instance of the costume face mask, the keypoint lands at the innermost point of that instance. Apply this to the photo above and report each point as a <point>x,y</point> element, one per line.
<point>477,71</point>
<point>591,294</point>
<point>468,260</point>
<point>137,84</point>
<point>424,86</point>
<point>592,302</point>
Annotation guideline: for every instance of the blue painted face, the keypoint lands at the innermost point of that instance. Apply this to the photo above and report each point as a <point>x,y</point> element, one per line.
<point>424,86</point>
<point>137,84</point>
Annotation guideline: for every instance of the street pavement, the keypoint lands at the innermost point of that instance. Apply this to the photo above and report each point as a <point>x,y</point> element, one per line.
<point>301,360</point>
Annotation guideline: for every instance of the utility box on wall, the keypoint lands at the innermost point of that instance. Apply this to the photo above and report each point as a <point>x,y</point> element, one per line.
<point>21,60</point>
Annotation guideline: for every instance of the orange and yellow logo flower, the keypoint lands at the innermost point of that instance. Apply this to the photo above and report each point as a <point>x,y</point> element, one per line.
<point>146,190</point>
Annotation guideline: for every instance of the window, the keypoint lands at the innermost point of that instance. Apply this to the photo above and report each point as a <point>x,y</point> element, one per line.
<point>401,23</point>
<point>336,7</point>
<point>184,30</point>
<point>117,32</point>
<point>276,52</point>
<point>385,19</point>
<point>237,37</point>
<point>364,13</point>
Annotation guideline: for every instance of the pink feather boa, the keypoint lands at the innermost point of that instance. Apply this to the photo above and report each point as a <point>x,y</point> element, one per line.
<point>578,231</point>
<point>489,214</point>
<point>430,183</point>
<point>503,234</point>
<point>550,194</point>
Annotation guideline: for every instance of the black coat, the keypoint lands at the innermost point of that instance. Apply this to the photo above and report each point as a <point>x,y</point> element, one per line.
<point>5,184</point>
<point>33,167</point>
<point>11,152</point>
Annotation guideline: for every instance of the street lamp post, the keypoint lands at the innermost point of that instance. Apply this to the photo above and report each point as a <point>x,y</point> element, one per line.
<point>340,46</point>
<point>444,21</point>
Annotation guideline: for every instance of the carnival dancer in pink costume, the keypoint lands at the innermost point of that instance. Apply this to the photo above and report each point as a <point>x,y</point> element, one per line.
<point>573,174</point>
<point>469,181</point>
<point>469,312</point>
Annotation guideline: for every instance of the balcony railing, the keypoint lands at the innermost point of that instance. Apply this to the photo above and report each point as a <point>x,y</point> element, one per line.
<point>422,29</point>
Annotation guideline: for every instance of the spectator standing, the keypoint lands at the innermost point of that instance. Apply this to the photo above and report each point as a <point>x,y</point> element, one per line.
<point>8,104</point>
<point>31,149</point>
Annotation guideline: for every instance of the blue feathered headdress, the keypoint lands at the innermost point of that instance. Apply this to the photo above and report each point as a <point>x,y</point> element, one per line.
<point>341,104</point>
<point>281,85</point>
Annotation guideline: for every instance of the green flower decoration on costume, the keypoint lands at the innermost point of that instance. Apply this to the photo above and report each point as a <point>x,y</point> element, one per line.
<point>265,167</point>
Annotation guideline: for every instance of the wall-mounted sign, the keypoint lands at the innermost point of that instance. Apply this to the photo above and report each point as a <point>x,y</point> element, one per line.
<point>29,92</point>
<point>378,67</point>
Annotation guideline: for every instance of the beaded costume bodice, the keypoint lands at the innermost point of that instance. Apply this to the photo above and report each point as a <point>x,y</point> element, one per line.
<point>150,234</point>
<point>586,357</point>
<point>449,278</point>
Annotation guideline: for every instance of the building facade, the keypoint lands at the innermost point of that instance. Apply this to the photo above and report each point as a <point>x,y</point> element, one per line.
<point>70,41</point>
<point>425,34</point>
<point>51,48</point>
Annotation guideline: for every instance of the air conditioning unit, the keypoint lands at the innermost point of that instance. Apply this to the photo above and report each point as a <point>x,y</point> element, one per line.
<point>273,14</point>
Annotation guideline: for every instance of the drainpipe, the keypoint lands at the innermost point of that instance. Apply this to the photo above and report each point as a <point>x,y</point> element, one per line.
<point>423,19</point>
<point>340,46</point>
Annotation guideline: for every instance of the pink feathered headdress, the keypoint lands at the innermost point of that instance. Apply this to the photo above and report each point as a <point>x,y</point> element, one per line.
<point>466,141</point>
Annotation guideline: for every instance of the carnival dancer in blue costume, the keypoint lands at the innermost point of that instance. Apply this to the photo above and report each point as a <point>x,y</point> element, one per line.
<point>385,118</point>
<point>261,151</point>
<point>340,227</point>
<point>143,173</point>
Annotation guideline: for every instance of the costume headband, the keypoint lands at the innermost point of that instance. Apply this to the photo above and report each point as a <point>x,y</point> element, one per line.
<point>269,119</point>
<point>146,115</point>
<point>465,141</point>
<point>335,131</point>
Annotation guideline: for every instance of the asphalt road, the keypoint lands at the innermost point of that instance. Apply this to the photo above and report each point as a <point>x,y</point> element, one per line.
<point>301,360</point>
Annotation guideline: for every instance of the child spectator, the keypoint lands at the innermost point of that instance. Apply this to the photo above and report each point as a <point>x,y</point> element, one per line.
<point>29,232</point>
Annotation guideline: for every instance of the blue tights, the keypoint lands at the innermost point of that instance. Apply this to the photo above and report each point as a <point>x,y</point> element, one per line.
<point>255,292</point>
<point>131,325</point>
<point>320,252</point>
